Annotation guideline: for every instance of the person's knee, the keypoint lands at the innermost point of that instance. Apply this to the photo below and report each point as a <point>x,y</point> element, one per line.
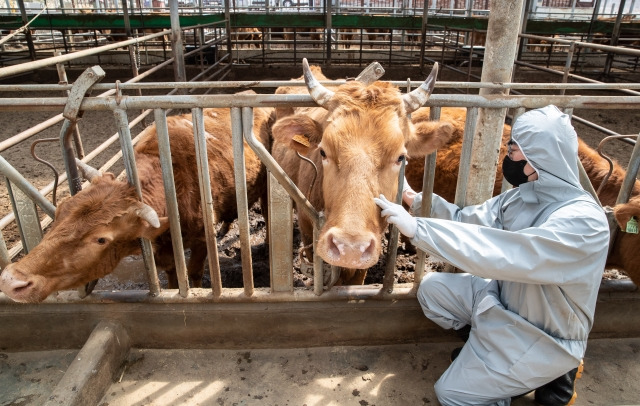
<point>429,286</point>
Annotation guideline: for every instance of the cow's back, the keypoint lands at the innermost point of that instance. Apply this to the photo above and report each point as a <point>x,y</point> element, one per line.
<point>448,157</point>
<point>218,135</point>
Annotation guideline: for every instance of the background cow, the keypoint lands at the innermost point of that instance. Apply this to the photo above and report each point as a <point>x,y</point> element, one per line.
<point>358,140</point>
<point>624,252</point>
<point>101,224</point>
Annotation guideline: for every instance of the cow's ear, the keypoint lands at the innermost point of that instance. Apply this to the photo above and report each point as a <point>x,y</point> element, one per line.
<point>299,132</point>
<point>624,212</point>
<point>429,136</point>
<point>151,233</point>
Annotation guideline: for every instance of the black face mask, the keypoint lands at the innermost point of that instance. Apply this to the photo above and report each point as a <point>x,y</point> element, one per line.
<point>513,171</point>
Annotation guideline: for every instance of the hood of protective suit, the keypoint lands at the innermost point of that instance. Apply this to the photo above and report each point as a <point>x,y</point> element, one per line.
<point>550,144</point>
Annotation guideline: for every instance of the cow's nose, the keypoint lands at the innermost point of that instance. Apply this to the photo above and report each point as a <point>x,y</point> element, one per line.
<point>12,284</point>
<point>348,250</point>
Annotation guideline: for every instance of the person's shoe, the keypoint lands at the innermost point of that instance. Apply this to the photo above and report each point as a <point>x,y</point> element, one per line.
<point>455,353</point>
<point>561,391</point>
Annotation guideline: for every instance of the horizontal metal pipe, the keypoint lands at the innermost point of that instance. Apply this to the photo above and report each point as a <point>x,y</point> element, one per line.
<point>243,84</point>
<point>264,295</point>
<point>607,48</point>
<point>297,100</point>
<point>42,63</point>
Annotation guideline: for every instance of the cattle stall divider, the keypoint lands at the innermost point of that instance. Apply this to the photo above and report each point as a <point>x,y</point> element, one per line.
<point>282,315</point>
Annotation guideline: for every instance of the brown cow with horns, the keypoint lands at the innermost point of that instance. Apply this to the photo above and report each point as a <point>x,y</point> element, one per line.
<point>357,139</point>
<point>101,224</point>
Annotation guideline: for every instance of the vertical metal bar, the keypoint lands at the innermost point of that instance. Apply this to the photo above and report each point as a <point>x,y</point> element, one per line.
<point>208,214</point>
<point>567,65</point>
<point>465,156</point>
<point>631,176</point>
<point>428,181</point>
<point>615,35</point>
<point>392,246</point>
<point>502,35</point>
<point>75,183</point>
<point>328,25</point>
<point>162,131</point>
<point>242,121</point>
<point>62,78</point>
<point>280,237</point>
<point>128,158</point>
<point>125,17</point>
<point>26,217</point>
<point>5,258</point>
<point>318,263</point>
<point>27,33</point>
<point>423,32</point>
<point>176,45</point>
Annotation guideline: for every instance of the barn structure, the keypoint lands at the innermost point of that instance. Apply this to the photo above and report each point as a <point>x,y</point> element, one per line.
<point>72,66</point>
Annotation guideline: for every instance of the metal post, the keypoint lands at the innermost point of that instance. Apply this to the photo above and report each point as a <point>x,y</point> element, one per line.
<point>500,52</point>
<point>423,32</point>
<point>615,35</point>
<point>327,25</point>
<point>206,200</point>
<point>176,45</point>
<point>27,32</point>
<point>125,16</point>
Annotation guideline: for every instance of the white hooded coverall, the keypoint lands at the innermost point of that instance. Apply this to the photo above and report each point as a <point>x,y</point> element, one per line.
<point>534,258</point>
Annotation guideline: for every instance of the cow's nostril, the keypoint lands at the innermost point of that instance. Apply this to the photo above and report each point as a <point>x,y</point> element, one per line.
<point>335,248</point>
<point>368,250</point>
<point>22,287</point>
<point>338,246</point>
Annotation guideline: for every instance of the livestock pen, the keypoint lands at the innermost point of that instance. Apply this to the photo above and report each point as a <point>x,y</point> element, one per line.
<point>109,323</point>
<point>261,317</point>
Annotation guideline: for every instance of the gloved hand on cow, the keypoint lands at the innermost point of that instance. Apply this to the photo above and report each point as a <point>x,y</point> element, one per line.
<point>396,214</point>
<point>408,194</point>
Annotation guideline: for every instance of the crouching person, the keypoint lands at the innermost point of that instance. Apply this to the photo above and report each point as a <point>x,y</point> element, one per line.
<point>533,258</point>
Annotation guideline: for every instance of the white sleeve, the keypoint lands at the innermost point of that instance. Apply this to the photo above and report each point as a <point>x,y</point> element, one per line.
<point>487,213</point>
<point>559,251</point>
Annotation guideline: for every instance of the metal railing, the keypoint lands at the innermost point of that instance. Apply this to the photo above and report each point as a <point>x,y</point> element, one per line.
<point>241,106</point>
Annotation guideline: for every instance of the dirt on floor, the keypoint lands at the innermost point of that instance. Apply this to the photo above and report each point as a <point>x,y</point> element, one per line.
<point>325,376</point>
<point>97,126</point>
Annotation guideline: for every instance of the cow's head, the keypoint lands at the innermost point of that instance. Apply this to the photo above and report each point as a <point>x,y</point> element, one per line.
<point>362,137</point>
<point>92,232</point>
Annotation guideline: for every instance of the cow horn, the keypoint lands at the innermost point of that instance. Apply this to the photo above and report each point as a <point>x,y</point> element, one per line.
<point>147,213</point>
<point>88,172</point>
<point>418,97</point>
<point>319,93</point>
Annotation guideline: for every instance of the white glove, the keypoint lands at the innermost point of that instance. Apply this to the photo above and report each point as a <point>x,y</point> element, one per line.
<point>396,214</point>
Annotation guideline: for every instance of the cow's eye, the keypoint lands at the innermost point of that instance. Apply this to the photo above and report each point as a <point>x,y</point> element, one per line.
<point>323,154</point>
<point>102,240</point>
<point>401,158</point>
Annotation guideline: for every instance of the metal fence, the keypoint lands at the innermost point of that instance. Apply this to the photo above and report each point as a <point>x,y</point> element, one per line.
<point>241,112</point>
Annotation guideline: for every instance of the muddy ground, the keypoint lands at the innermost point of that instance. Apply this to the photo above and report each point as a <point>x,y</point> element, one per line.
<point>95,127</point>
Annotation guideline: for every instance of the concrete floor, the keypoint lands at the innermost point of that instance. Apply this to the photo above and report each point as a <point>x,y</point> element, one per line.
<point>363,376</point>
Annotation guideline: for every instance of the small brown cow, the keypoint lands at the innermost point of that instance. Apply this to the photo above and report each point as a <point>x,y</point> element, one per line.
<point>623,254</point>
<point>247,36</point>
<point>94,229</point>
<point>357,139</point>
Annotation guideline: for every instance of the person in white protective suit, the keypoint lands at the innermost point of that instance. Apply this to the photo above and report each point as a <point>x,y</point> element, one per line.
<point>533,256</point>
